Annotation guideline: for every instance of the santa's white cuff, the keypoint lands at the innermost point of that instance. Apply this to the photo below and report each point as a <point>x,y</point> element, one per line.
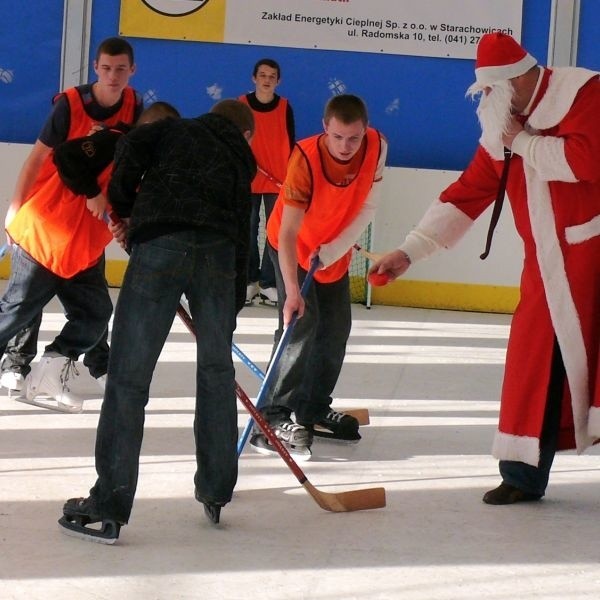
<point>418,246</point>
<point>521,142</point>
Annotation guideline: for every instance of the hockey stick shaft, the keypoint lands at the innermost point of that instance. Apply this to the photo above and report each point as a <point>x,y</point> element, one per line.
<point>269,176</point>
<point>360,414</point>
<point>370,255</point>
<point>269,375</point>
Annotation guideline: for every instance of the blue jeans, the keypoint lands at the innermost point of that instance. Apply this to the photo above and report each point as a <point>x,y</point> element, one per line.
<point>202,265</point>
<point>310,365</point>
<point>22,348</point>
<point>84,297</point>
<point>528,478</point>
<point>260,271</point>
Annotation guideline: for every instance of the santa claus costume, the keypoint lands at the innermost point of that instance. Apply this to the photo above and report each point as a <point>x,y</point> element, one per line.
<point>554,190</point>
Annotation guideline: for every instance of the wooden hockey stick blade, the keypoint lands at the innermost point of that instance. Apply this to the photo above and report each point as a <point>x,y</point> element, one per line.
<point>365,499</point>
<point>370,255</point>
<point>360,414</point>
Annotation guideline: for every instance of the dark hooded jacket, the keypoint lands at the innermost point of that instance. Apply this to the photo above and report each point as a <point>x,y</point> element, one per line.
<point>181,174</point>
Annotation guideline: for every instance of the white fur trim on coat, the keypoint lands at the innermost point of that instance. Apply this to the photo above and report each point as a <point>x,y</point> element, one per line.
<point>576,234</point>
<point>546,154</point>
<point>514,447</point>
<point>563,312</point>
<point>564,85</point>
<point>442,226</point>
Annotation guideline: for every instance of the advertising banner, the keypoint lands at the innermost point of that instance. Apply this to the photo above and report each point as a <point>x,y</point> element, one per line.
<point>440,28</point>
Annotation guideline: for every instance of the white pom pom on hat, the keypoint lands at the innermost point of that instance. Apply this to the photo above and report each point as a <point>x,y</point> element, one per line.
<point>500,57</point>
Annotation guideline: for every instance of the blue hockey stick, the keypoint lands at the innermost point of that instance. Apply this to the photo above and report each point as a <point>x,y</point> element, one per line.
<point>283,342</point>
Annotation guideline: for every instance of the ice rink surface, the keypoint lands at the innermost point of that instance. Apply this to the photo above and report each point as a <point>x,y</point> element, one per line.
<point>431,381</point>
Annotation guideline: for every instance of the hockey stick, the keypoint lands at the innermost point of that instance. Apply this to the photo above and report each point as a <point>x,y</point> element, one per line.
<point>285,338</point>
<point>370,255</point>
<point>269,176</point>
<point>365,499</point>
<point>360,414</point>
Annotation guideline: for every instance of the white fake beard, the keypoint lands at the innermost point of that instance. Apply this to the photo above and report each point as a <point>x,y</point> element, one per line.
<point>494,114</point>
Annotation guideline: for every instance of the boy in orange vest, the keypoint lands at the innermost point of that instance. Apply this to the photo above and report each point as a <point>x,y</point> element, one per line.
<point>329,196</point>
<point>80,161</point>
<point>272,143</point>
<point>58,237</point>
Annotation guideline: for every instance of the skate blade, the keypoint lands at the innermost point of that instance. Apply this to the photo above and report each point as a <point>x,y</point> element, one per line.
<point>264,300</point>
<point>49,404</point>
<point>300,456</point>
<point>332,440</point>
<point>212,513</point>
<point>107,535</point>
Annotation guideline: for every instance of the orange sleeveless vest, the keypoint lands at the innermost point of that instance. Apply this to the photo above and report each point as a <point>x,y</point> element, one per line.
<point>271,146</point>
<point>54,225</point>
<point>332,207</point>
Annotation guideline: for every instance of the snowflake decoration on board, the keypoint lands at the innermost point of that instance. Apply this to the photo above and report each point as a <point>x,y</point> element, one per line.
<point>336,86</point>
<point>6,75</point>
<point>150,97</point>
<point>215,91</point>
<point>393,106</point>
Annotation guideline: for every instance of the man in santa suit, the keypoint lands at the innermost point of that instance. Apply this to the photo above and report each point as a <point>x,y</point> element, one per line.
<point>548,120</point>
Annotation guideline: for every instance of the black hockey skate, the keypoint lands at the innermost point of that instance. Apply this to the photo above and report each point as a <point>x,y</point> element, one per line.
<point>336,427</point>
<point>211,509</point>
<point>78,513</point>
<point>296,438</point>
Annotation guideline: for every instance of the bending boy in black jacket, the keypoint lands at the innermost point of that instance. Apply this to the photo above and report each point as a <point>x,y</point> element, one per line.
<point>182,187</point>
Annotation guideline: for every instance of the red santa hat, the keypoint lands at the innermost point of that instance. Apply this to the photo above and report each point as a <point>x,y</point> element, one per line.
<point>500,57</point>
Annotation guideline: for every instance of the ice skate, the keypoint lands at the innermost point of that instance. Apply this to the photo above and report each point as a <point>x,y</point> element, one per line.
<point>336,427</point>
<point>12,380</point>
<point>50,377</point>
<point>268,296</point>
<point>212,510</point>
<point>78,513</point>
<point>251,293</point>
<point>296,439</point>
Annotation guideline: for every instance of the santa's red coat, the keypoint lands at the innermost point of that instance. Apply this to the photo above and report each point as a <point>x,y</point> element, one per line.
<point>554,192</point>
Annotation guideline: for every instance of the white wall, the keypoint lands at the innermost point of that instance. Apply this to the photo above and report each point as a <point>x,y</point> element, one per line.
<point>407,194</point>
